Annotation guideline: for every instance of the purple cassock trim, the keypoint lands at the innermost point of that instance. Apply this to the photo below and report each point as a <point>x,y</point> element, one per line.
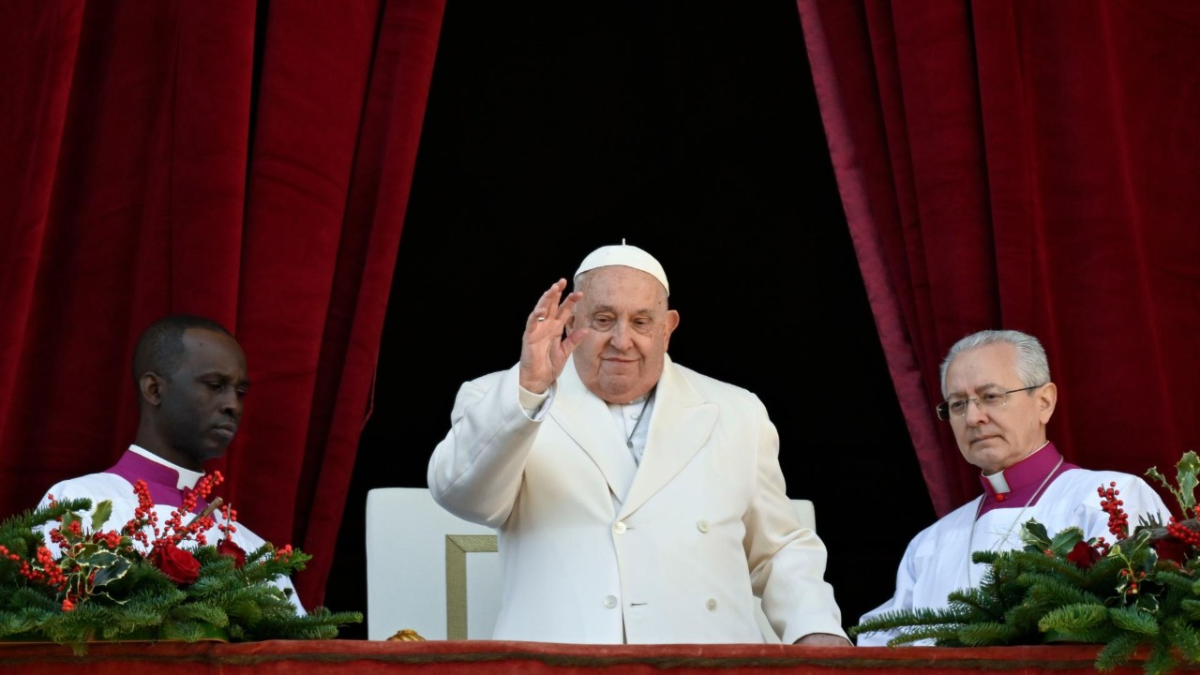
<point>1024,478</point>
<point>162,480</point>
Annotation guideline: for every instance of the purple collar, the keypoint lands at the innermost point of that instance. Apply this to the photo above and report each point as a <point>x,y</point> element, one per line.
<point>162,480</point>
<point>1024,478</point>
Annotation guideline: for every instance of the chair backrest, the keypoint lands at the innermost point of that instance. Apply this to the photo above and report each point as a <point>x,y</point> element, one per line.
<point>423,564</point>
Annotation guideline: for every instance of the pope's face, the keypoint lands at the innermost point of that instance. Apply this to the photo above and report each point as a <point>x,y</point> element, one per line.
<point>622,356</point>
<point>994,438</point>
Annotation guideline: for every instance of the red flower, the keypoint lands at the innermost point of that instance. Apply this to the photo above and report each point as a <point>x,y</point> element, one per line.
<point>179,565</point>
<point>1083,555</point>
<point>226,547</point>
<point>1170,548</point>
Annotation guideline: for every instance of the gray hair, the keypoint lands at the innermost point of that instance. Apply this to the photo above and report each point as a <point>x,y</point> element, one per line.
<point>1032,365</point>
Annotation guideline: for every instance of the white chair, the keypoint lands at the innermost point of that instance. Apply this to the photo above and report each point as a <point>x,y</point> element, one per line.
<point>424,563</point>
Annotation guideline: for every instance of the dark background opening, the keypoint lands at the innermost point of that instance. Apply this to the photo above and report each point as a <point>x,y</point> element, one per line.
<point>691,130</point>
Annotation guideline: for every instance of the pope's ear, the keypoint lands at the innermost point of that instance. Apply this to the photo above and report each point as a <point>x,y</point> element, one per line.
<point>672,324</point>
<point>151,386</point>
<point>1047,398</point>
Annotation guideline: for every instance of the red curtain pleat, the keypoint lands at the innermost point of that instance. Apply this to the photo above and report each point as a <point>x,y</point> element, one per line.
<point>1025,165</point>
<point>152,167</point>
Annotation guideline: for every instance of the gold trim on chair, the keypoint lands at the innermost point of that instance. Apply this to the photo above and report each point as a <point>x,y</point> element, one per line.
<point>457,548</point>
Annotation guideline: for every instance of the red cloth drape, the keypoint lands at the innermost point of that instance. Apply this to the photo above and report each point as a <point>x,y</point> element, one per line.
<point>245,161</point>
<point>1028,165</point>
<point>486,657</point>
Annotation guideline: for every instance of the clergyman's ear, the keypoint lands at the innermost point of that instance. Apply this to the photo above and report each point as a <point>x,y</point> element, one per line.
<point>1047,399</point>
<point>151,386</point>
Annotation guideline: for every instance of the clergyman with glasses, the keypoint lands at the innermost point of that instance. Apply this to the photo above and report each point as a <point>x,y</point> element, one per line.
<point>635,500</point>
<point>998,400</point>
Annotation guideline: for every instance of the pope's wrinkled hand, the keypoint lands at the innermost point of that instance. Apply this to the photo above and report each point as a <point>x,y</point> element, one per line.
<point>544,349</point>
<point>823,640</point>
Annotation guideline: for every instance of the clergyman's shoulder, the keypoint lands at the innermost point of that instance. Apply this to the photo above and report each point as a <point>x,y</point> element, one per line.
<point>1091,479</point>
<point>92,486</point>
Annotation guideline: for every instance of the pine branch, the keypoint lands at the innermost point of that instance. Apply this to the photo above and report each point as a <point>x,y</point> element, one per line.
<point>1055,592</point>
<point>987,634</point>
<point>1191,609</point>
<point>135,600</point>
<point>1184,637</point>
<point>1133,620</point>
<point>942,636</point>
<point>921,616</point>
<point>1118,651</point>
<point>1162,660</point>
<point>1074,619</point>
<point>202,611</point>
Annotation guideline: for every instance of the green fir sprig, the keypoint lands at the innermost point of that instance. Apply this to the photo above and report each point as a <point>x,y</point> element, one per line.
<point>1141,591</point>
<point>103,587</point>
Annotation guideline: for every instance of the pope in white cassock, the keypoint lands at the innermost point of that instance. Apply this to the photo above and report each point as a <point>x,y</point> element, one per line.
<point>999,398</point>
<point>636,500</point>
<point>191,377</point>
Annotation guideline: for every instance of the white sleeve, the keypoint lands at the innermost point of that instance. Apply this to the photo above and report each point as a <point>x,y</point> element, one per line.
<point>97,487</point>
<point>476,471</point>
<point>787,562</point>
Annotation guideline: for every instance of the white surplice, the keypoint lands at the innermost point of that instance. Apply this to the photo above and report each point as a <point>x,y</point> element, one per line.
<point>936,561</point>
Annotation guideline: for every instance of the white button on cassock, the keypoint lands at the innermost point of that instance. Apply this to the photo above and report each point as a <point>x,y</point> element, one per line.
<point>711,605</point>
<point>611,601</point>
<point>702,525</point>
<point>620,527</point>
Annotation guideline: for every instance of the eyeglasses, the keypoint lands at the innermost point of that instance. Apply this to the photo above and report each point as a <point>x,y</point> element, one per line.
<point>994,399</point>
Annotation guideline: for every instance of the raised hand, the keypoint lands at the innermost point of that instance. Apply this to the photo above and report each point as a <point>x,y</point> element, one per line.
<point>544,350</point>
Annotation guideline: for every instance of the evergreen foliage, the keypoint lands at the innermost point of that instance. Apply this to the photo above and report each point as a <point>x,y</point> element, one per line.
<point>1063,589</point>
<point>115,591</point>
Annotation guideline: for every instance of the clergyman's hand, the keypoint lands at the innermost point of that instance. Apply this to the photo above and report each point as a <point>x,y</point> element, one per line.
<point>544,350</point>
<point>823,640</point>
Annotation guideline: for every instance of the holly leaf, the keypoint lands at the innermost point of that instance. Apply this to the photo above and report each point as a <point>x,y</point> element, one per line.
<point>101,514</point>
<point>1065,540</point>
<point>1149,561</point>
<point>1035,536</point>
<point>100,559</point>
<point>1185,473</point>
<point>112,570</point>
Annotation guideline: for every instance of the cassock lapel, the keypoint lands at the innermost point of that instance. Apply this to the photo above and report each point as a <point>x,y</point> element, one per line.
<point>586,419</point>
<point>680,425</point>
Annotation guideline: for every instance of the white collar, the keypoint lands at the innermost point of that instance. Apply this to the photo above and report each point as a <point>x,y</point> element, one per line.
<point>999,482</point>
<point>187,477</point>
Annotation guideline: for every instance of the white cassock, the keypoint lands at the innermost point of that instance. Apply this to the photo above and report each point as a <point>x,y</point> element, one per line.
<point>937,559</point>
<point>166,482</point>
<point>596,548</point>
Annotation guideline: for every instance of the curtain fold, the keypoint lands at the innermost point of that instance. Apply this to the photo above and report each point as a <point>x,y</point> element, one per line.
<point>246,161</point>
<point>1025,165</point>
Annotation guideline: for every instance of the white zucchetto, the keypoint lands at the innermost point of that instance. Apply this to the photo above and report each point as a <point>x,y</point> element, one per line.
<point>629,256</point>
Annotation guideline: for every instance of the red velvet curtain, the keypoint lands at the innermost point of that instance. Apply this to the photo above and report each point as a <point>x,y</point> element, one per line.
<point>487,657</point>
<point>245,161</point>
<point>1031,165</point>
